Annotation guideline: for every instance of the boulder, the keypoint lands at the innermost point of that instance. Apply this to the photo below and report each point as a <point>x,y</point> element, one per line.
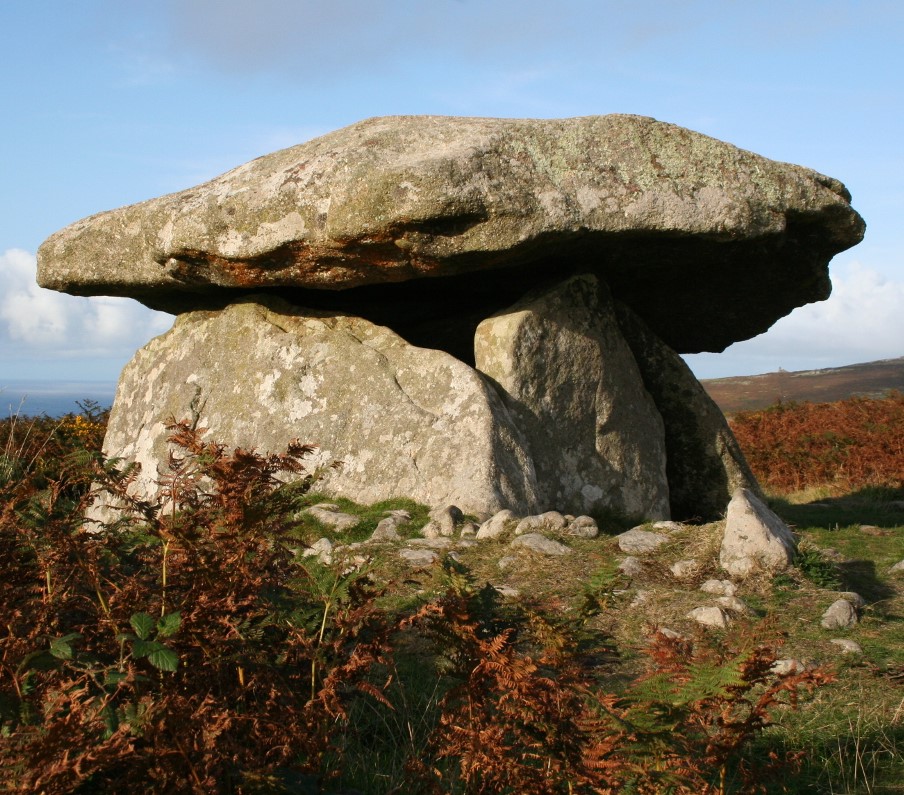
<point>573,388</point>
<point>709,244</point>
<point>404,421</point>
<point>755,539</point>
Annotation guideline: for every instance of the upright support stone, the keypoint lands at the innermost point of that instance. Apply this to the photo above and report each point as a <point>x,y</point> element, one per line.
<point>574,390</point>
<point>704,464</point>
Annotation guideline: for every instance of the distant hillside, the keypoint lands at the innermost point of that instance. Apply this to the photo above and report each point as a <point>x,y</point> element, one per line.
<point>743,393</point>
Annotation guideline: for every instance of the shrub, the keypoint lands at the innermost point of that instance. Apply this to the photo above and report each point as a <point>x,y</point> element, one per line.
<point>850,444</point>
<point>186,647</point>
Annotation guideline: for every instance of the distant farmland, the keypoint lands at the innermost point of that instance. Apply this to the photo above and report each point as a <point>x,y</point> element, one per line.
<point>746,393</point>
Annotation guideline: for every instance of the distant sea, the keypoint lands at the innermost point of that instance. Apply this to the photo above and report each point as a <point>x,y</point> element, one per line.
<point>53,398</point>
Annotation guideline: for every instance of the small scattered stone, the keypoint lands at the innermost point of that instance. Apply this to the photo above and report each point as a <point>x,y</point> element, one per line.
<point>710,617</point>
<point>582,527</point>
<point>507,562</point>
<point>329,514</point>
<point>840,615</point>
<point>638,542</point>
<point>551,521</point>
<point>498,524</point>
<point>733,604</point>
<point>898,567</point>
<point>683,569</point>
<point>419,558</point>
<point>847,645</point>
<point>719,587</point>
<point>442,522</point>
<point>387,529</point>
<point>469,530</point>
<point>400,514</point>
<point>669,633</point>
<point>508,591</point>
<point>322,549</point>
<point>539,543</point>
<point>631,566</point>
<point>466,543</point>
<point>431,543</point>
<point>786,666</point>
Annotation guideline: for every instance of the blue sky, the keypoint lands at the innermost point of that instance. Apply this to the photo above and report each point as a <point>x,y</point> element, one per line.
<point>108,102</point>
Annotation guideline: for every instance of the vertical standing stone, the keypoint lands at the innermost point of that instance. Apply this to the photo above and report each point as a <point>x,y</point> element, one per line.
<point>574,389</point>
<point>704,463</point>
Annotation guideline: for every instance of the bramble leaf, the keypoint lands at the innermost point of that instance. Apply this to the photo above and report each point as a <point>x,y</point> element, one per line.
<point>164,658</point>
<point>143,624</point>
<point>61,648</point>
<point>169,625</point>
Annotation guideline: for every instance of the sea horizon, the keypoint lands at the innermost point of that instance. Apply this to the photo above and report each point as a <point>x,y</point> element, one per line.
<point>34,397</point>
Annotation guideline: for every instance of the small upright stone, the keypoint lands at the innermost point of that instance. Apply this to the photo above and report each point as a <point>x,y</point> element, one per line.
<point>755,540</point>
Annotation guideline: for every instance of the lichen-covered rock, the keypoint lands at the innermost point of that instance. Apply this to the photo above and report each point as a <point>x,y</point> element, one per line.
<point>329,514</point>
<point>755,539</point>
<point>583,527</point>
<point>404,421</point>
<point>573,388</point>
<point>679,224</point>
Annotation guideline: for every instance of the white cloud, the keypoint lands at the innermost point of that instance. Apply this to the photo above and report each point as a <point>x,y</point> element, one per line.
<point>39,323</point>
<point>862,321</point>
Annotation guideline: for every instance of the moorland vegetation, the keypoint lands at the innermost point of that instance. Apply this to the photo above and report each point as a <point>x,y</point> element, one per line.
<point>189,645</point>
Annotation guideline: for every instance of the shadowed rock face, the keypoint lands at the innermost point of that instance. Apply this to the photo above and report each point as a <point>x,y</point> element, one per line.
<point>430,224</point>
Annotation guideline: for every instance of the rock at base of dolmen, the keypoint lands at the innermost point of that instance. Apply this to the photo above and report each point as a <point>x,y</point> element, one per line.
<point>574,390</point>
<point>404,421</point>
<point>756,540</point>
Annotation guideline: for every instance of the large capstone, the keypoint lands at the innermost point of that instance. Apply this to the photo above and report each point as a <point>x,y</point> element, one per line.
<point>430,224</point>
